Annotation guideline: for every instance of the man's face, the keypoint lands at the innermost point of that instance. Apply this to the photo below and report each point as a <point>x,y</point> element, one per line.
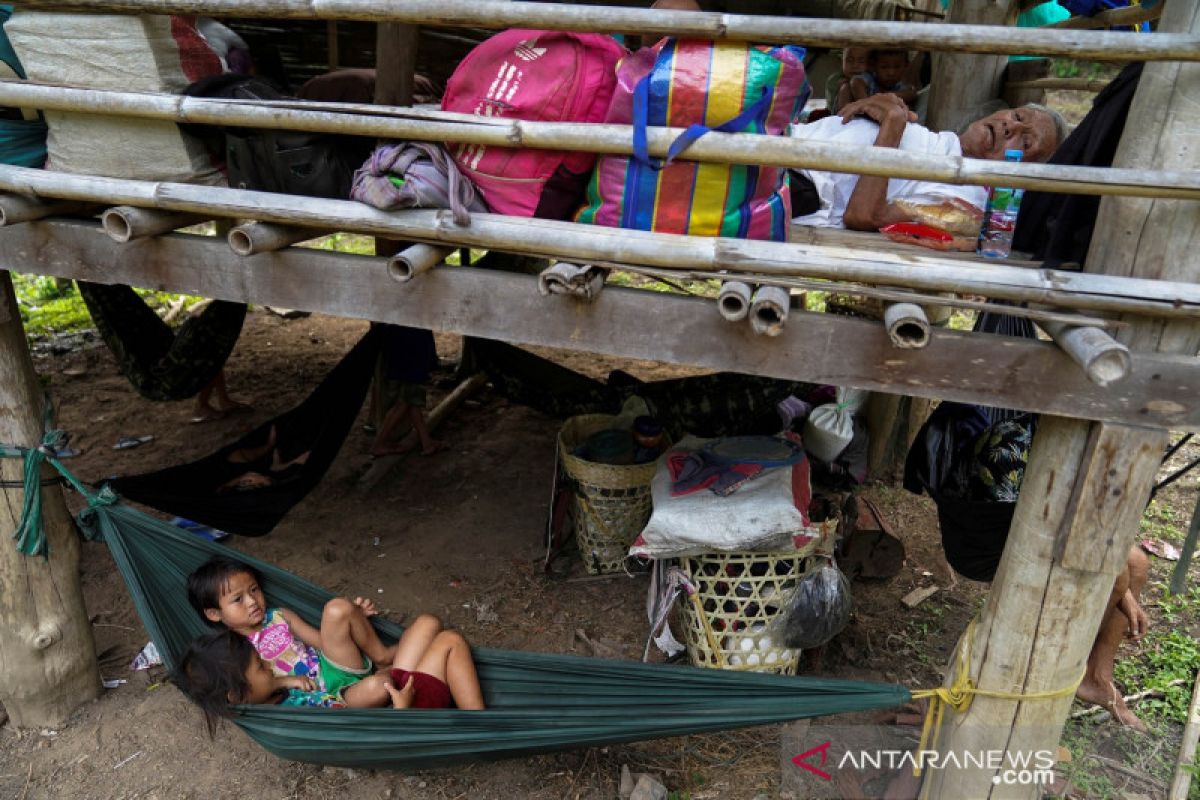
<point>854,61</point>
<point>889,69</point>
<point>1025,129</point>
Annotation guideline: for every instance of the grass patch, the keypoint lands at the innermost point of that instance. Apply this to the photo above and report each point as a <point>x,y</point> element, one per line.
<point>49,306</point>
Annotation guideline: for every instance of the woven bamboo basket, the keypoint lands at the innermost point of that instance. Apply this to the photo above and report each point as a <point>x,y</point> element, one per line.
<point>738,595</point>
<point>612,501</point>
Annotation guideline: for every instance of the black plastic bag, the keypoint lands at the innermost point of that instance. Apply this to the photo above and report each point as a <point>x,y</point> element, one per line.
<point>816,610</point>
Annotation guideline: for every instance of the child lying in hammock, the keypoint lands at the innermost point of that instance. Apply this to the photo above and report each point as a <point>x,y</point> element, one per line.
<point>428,668</point>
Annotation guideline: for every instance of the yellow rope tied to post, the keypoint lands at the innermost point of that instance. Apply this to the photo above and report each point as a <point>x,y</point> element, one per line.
<point>962,690</point>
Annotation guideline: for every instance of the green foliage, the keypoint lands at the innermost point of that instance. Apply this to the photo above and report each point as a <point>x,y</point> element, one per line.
<point>48,307</point>
<point>1169,653</point>
<point>345,243</point>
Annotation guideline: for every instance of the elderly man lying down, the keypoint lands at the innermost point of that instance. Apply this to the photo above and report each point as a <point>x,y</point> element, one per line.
<point>835,199</point>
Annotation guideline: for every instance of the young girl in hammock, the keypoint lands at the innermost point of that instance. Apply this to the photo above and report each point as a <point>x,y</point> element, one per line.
<point>330,667</point>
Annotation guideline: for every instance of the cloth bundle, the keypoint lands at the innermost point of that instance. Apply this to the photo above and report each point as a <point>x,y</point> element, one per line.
<point>768,513</point>
<point>829,429</point>
<point>731,87</point>
<point>415,175</point>
<point>150,53</point>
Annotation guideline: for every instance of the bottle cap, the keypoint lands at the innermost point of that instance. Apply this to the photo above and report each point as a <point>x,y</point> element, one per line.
<point>1013,155</point>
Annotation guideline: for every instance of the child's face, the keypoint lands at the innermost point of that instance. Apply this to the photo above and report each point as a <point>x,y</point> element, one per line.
<point>889,69</point>
<point>260,682</point>
<point>854,61</point>
<point>241,605</point>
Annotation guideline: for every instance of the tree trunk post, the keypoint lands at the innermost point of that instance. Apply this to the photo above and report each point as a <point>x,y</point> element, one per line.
<point>47,654</point>
<point>963,82</point>
<point>1087,483</point>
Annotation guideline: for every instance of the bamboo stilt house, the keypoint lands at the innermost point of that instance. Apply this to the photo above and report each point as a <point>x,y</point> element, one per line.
<point>1092,462</point>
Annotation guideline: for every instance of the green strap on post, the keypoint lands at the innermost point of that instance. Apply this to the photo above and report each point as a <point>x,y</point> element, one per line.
<point>31,534</point>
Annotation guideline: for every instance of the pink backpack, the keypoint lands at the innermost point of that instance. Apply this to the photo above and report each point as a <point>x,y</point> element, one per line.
<point>551,76</point>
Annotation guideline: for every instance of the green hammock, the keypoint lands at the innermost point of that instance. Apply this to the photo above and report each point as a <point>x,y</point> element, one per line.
<point>537,702</point>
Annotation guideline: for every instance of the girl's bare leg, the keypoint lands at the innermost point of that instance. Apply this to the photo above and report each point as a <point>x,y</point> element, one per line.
<point>370,692</point>
<point>346,634</point>
<point>449,660</point>
<point>415,642</point>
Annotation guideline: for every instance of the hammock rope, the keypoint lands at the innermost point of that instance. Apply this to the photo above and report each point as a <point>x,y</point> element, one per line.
<point>962,690</point>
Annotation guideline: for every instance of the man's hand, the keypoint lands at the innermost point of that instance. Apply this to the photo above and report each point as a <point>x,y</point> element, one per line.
<point>301,682</point>
<point>367,605</point>
<point>882,108</point>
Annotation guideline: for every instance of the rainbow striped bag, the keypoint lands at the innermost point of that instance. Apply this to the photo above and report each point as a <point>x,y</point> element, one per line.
<point>732,87</point>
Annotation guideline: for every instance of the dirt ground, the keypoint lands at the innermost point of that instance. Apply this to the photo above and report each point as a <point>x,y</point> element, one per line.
<point>460,534</point>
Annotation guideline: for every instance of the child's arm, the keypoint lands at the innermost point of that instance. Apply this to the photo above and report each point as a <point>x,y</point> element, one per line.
<point>301,629</point>
<point>844,95</point>
<point>301,682</point>
<point>858,89</point>
<point>401,698</point>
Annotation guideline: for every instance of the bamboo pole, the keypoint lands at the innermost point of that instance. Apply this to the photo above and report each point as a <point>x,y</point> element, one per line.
<point>497,14</point>
<point>126,223</point>
<point>892,295</point>
<point>769,310</point>
<point>412,261</point>
<point>1130,15</point>
<point>425,125</point>
<point>733,300</point>
<point>15,209</point>
<point>1065,84</point>
<point>907,326</point>
<point>1182,780</point>
<point>1104,360</point>
<point>565,240</point>
<point>263,237</point>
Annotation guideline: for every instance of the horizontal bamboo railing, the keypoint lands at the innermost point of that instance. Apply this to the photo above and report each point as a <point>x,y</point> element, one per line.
<point>1061,84</point>
<point>495,14</point>
<point>585,243</point>
<point>438,126</point>
<point>1114,17</point>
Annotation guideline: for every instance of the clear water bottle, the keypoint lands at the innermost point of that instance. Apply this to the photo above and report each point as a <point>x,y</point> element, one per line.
<point>1000,216</point>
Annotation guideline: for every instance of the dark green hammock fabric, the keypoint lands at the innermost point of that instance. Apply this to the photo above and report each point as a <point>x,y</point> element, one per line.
<point>537,702</point>
<point>163,365</point>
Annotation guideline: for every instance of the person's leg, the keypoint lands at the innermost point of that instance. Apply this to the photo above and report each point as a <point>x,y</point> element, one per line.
<point>1097,686</point>
<point>346,634</point>
<point>393,421</point>
<point>205,409</point>
<point>370,692</point>
<point>415,642</point>
<point>248,455</point>
<point>429,445</point>
<point>449,660</point>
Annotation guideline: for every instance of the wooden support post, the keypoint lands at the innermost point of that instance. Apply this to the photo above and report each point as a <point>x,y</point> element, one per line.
<point>1086,484</point>
<point>47,653</point>
<point>963,83</point>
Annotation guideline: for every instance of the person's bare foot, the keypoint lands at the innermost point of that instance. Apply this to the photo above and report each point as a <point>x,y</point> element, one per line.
<point>1107,697</point>
<point>399,448</point>
<point>206,413</point>
<point>433,446</point>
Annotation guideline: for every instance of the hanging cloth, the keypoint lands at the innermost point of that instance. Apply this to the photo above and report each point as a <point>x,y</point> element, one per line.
<point>291,452</point>
<point>1057,228</point>
<point>163,364</point>
<point>537,702</point>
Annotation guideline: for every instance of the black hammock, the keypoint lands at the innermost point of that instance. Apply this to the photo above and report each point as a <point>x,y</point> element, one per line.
<point>536,702</point>
<point>163,365</point>
<point>291,451</point>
